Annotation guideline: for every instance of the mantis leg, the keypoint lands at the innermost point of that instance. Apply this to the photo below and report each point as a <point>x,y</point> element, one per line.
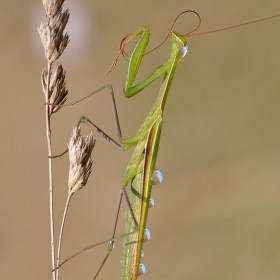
<point>123,192</point>
<point>84,119</point>
<point>115,112</point>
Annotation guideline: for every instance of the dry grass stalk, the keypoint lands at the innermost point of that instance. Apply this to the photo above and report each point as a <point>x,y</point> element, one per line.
<point>54,41</point>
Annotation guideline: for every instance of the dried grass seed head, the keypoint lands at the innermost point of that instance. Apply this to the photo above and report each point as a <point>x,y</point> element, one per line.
<point>54,43</point>
<point>57,86</point>
<point>80,149</point>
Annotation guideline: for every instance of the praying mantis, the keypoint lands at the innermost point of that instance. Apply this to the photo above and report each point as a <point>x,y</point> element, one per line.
<point>140,170</point>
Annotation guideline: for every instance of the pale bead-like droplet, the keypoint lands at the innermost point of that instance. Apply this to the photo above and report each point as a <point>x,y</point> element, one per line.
<point>141,269</point>
<point>184,50</point>
<point>157,177</point>
<point>142,254</point>
<point>151,203</point>
<point>147,235</point>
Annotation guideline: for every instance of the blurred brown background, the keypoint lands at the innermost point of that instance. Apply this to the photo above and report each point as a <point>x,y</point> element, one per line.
<point>217,213</point>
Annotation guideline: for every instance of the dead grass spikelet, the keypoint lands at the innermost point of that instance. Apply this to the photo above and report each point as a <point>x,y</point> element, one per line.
<point>80,148</point>
<point>52,33</point>
<point>57,92</point>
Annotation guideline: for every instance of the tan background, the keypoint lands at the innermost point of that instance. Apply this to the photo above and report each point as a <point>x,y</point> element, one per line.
<point>217,213</point>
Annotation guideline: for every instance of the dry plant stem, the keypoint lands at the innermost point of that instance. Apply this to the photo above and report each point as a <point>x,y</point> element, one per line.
<point>54,41</point>
<point>61,232</point>
<point>48,135</point>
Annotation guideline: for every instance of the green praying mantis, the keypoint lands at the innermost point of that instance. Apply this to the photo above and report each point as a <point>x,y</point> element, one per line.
<point>140,170</point>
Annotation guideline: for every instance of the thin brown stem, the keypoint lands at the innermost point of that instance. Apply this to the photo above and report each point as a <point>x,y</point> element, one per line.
<point>48,135</point>
<point>61,232</point>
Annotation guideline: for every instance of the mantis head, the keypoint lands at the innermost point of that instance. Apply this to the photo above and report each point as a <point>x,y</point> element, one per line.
<point>181,40</point>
